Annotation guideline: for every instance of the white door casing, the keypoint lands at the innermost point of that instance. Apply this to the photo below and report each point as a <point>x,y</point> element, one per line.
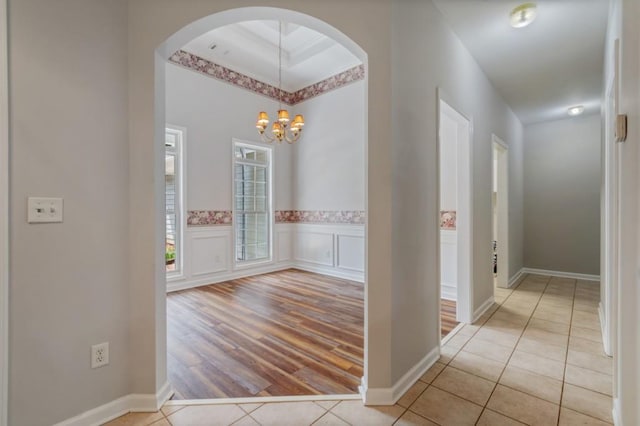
<point>4,215</point>
<point>502,209</point>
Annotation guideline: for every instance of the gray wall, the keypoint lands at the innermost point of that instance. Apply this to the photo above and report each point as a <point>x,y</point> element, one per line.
<point>69,281</point>
<point>562,195</point>
<point>83,112</point>
<point>427,55</point>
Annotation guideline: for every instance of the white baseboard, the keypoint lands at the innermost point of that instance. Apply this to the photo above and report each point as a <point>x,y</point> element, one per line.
<point>616,412</point>
<point>389,396</point>
<point>330,271</point>
<point>606,341</point>
<point>121,406</point>
<point>264,399</point>
<point>516,278</point>
<point>182,284</point>
<point>449,291</point>
<point>452,333</point>
<point>483,308</point>
<point>562,274</point>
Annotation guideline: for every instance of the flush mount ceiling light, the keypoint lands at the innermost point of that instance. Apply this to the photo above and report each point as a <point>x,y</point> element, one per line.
<point>575,110</point>
<point>523,15</point>
<point>281,128</point>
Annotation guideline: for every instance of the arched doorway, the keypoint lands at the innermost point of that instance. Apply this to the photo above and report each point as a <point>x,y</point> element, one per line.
<point>199,27</point>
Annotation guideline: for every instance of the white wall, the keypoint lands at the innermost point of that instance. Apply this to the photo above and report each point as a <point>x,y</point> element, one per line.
<point>427,55</point>
<point>562,195</point>
<point>69,281</point>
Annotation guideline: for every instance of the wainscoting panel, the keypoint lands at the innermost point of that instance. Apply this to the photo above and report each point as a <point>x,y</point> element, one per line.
<point>283,237</point>
<point>209,252</point>
<point>330,249</point>
<point>314,247</point>
<point>351,252</point>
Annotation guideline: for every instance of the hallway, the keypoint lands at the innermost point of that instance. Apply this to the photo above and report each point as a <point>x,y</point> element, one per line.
<point>535,358</point>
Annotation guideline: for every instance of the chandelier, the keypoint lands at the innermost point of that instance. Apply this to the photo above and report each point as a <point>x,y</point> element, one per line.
<point>282,128</point>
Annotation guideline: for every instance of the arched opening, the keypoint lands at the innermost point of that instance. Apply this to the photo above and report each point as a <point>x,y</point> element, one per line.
<point>212,242</point>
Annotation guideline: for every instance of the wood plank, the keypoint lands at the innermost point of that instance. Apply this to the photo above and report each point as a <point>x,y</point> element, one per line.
<point>279,334</point>
<point>447,316</point>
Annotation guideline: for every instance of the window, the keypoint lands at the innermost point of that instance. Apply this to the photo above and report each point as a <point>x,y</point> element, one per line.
<point>252,202</point>
<point>173,161</point>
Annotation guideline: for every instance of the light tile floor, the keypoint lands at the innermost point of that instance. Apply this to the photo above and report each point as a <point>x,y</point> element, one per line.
<point>535,358</point>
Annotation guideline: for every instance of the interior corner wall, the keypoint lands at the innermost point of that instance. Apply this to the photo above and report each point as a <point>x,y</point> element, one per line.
<point>69,284</point>
<point>562,195</point>
<point>427,55</point>
<point>329,162</point>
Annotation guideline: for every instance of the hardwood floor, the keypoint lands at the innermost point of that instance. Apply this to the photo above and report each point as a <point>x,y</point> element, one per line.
<point>280,334</point>
<point>447,316</point>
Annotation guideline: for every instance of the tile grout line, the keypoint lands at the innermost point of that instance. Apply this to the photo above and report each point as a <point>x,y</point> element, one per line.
<point>566,356</point>
<point>514,348</point>
<point>567,363</point>
<point>446,364</point>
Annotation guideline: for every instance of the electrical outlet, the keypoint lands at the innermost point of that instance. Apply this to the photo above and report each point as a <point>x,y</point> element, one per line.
<point>100,355</point>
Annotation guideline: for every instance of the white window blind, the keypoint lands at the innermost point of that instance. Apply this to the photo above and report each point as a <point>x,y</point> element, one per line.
<point>172,179</point>
<point>252,203</point>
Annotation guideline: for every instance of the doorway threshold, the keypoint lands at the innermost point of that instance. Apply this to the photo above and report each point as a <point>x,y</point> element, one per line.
<point>264,399</point>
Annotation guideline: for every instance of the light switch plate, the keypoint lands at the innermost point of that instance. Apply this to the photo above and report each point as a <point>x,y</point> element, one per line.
<point>44,210</point>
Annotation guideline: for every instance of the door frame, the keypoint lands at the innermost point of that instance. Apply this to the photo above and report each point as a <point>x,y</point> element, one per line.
<point>501,149</point>
<point>464,210</point>
<point>609,246</point>
<point>4,215</point>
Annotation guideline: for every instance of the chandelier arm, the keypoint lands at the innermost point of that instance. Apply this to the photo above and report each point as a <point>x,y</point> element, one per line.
<point>292,139</point>
<point>267,138</point>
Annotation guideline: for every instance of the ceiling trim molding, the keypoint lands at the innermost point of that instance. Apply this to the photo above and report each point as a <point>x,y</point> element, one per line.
<point>211,69</point>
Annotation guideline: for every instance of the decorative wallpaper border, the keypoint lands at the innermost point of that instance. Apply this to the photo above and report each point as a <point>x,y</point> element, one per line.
<point>225,217</point>
<point>209,217</point>
<point>448,219</point>
<point>211,69</point>
<point>335,82</point>
<point>353,217</point>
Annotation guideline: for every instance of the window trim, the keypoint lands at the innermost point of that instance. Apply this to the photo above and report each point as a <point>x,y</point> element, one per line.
<point>181,187</point>
<point>244,264</point>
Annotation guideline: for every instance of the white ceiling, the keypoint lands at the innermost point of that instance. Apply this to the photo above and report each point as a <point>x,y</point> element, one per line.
<point>251,48</point>
<point>542,69</point>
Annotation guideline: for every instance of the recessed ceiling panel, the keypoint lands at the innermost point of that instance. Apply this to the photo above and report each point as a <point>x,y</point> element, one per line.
<point>251,48</point>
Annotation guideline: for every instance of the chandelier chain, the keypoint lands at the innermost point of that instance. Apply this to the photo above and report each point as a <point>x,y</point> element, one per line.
<point>279,64</point>
<point>283,129</point>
